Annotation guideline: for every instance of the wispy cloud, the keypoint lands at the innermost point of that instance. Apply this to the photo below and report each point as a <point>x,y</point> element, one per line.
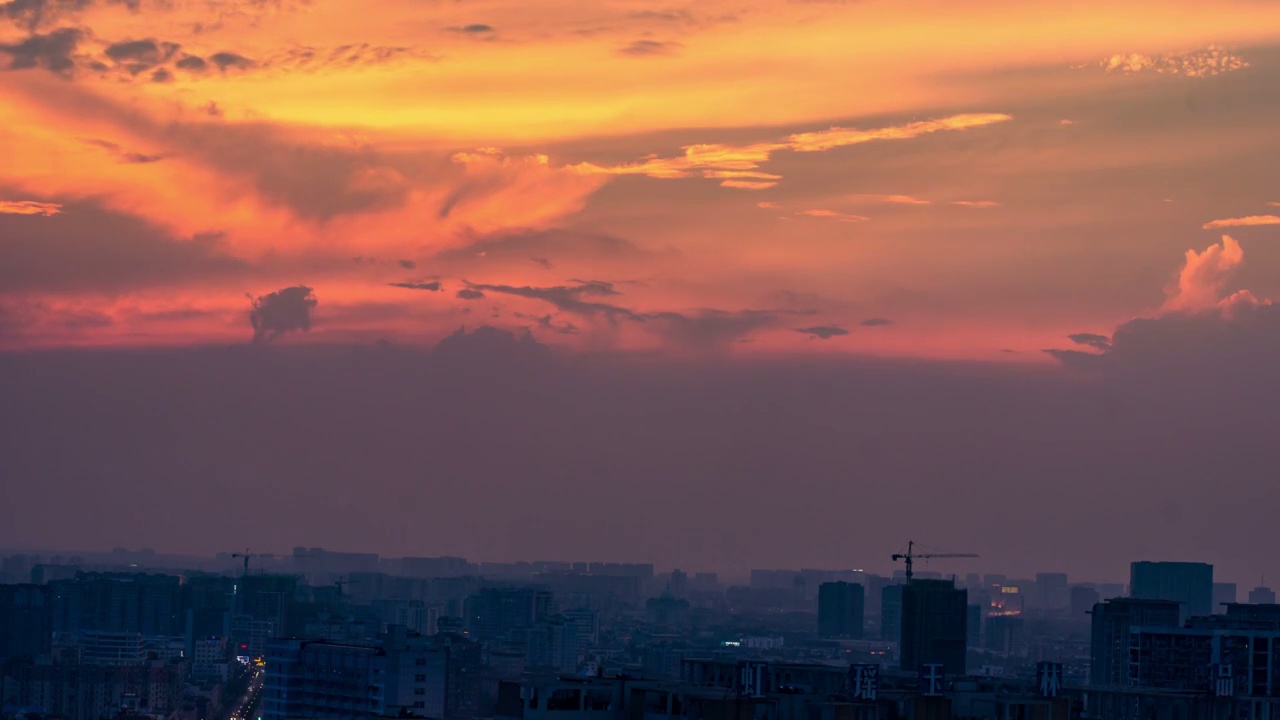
<point>890,199</point>
<point>748,184</point>
<point>843,217</point>
<point>823,332</point>
<point>29,207</point>
<point>709,159</point>
<point>976,203</point>
<point>645,48</point>
<point>1247,221</point>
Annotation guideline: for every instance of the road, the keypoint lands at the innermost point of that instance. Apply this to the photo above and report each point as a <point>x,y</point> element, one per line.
<point>247,705</point>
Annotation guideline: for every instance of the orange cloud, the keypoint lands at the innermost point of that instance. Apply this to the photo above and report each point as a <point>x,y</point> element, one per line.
<point>29,207</point>
<point>843,217</point>
<point>891,199</point>
<point>1200,63</point>
<point>720,158</point>
<point>748,184</point>
<point>841,137</point>
<point>1201,281</point>
<point>976,203</point>
<point>1247,221</point>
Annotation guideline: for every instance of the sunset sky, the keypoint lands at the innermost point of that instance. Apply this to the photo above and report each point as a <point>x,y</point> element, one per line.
<point>1069,189</point>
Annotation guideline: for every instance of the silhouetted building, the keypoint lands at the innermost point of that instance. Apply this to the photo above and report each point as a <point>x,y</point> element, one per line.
<point>496,613</point>
<point>1052,593</point>
<point>840,610</point>
<point>1188,583</point>
<point>26,621</point>
<point>1083,598</point>
<point>1004,635</point>
<point>973,625</point>
<point>119,602</point>
<point>1262,596</point>
<point>891,613</point>
<point>1224,593</point>
<point>934,619</point>
<point>1112,622</point>
<point>553,645</point>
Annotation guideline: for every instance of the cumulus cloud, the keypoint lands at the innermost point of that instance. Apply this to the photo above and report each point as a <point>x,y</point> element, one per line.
<point>230,61</point>
<point>29,207</point>
<point>1200,283</point>
<point>1199,327</point>
<point>53,51</point>
<point>1093,340</point>
<point>1246,221</point>
<point>701,158</point>
<point>285,310</point>
<point>1208,62</point>
<point>823,332</point>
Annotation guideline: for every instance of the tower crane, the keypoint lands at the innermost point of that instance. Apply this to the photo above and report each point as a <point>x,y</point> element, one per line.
<point>910,556</point>
<point>247,556</point>
<point>341,583</point>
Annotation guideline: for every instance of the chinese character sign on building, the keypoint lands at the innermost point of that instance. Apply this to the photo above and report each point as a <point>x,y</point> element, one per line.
<point>864,682</point>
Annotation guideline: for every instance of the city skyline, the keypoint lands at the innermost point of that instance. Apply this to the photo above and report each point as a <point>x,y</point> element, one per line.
<point>723,285</point>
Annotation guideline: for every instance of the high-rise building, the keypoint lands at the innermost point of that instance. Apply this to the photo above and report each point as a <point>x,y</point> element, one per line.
<point>496,613</point>
<point>973,624</point>
<point>1262,596</point>
<point>1003,635</point>
<point>1083,598</point>
<point>553,644</point>
<point>319,679</point>
<point>1052,593</point>
<point>1224,593</point>
<point>26,621</point>
<point>934,620</point>
<point>891,613</point>
<point>840,610</point>
<point>1112,622</point>
<point>1188,583</point>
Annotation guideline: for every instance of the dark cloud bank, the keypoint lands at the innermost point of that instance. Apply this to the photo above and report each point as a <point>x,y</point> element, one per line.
<point>494,446</point>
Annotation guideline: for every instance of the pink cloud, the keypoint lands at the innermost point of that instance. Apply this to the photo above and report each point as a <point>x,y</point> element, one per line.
<point>1247,221</point>
<point>29,207</point>
<point>1201,281</point>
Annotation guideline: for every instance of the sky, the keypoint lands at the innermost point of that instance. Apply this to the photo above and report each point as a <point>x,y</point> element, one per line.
<point>720,284</point>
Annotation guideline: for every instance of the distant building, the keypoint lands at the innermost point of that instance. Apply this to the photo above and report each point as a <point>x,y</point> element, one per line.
<point>1188,583</point>
<point>1112,622</point>
<point>405,672</point>
<point>934,620</point>
<point>1262,596</point>
<point>553,645</point>
<point>497,613</point>
<point>1224,593</point>
<point>841,606</point>
<point>973,625</point>
<point>1004,635</point>
<point>1083,598</point>
<point>26,621</point>
<point>1052,593</point>
<point>891,613</point>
